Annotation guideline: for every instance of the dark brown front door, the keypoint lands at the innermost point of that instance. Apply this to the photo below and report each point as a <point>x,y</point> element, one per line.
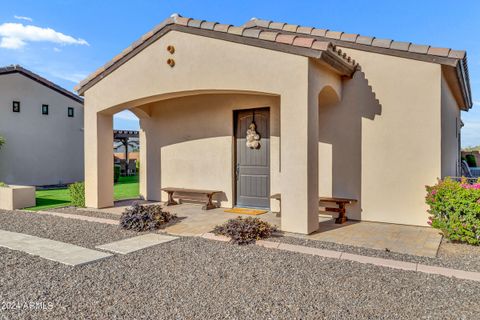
<point>252,167</point>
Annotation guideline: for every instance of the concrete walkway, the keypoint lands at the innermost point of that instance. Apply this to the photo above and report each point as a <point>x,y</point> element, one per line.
<point>136,243</point>
<point>62,252</point>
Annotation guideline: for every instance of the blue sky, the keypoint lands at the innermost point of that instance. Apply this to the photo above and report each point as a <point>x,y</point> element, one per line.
<point>65,40</point>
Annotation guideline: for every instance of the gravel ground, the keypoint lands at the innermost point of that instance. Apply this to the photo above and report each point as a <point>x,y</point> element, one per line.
<point>82,233</point>
<point>450,255</point>
<point>85,212</point>
<point>194,278</point>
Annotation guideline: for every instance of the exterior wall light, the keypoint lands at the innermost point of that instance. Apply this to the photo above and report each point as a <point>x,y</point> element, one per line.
<point>171,49</point>
<point>171,62</point>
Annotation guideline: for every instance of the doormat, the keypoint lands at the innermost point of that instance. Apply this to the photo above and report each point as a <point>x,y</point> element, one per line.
<point>254,212</point>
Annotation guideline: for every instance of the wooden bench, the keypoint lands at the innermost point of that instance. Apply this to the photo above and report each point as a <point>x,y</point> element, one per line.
<point>190,194</point>
<point>340,202</point>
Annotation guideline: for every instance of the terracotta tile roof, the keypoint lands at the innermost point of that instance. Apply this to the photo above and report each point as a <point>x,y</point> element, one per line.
<point>298,40</point>
<point>29,74</point>
<point>356,38</point>
<point>281,41</point>
<point>446,56</point>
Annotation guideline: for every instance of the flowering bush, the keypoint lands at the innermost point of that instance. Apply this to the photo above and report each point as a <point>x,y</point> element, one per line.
<point>455,209</point>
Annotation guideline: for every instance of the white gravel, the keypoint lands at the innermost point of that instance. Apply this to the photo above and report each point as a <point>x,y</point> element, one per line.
<point>195,278</point>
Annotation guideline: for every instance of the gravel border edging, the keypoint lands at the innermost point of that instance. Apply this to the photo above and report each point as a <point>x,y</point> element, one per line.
<point>467,262</point>
<point>389,263</point>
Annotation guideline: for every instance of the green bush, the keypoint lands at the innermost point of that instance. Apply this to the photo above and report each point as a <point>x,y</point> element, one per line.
<point>2,142</point>
<point>471,161</point>
<point>245,230</point>
<point>3,184</point>
<point>116,173</point>
<point>143,218</point>
<point>77,194</point>
<point>455,209</point>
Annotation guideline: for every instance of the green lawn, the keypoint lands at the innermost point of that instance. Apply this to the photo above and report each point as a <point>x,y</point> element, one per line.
<point>125,188</point>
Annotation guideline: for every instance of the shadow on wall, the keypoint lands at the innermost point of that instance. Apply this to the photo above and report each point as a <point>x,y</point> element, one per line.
<point>340,139</point>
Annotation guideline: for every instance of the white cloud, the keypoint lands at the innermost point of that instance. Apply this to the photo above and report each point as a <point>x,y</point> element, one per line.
<point>17,35</point>
<point>69,76</point>
<point>57,49</point>
<point>23,18</point>
<point>126,115</point>
<point>476,102</point>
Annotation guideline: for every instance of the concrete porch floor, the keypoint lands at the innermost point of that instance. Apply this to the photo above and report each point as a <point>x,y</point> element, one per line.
<point>420,241</point>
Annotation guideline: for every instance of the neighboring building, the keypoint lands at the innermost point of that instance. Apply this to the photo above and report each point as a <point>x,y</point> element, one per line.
<point>337,115</point>
<point>42,124</point>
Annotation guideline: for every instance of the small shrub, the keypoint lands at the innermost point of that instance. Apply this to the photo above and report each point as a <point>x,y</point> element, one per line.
<point>2,142</point>
<point>471,160</point>
<point>144,218</point>
<point>455,209</point>
<point>3,184</point>
<point>116,173</point>
<point>245,230</point>
<point>77,194</point>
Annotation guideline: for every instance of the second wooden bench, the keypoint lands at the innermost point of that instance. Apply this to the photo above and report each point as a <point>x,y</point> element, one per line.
<point>340,202</point>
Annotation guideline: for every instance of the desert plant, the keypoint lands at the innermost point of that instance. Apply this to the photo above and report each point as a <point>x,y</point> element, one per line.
<point>245,230</point>
<point>471,161</point>
<point>145,217</point>
<point>77,194</point>
<point>455,209</point>
<point>116,173</point>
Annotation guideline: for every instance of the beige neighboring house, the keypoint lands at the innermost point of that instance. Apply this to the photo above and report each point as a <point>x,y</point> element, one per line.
<point>42,124</point>
<point>336,114</point>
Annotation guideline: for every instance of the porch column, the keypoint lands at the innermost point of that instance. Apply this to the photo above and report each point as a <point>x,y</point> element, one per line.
<point>98,159</point>
<point>150,162</point>
<point>299,162</point>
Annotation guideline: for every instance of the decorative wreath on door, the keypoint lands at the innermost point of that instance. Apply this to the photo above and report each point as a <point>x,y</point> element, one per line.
<point>253,138</point>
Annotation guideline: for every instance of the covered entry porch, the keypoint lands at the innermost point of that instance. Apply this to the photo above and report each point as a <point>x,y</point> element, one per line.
<point>411,240</point>
<point>190,106</point>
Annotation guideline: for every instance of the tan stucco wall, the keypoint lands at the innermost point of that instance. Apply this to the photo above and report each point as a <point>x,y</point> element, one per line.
<point>40,149</point>
<point>205,65</point>
<point>450,133</point>
<point>194,142</point>
<point>385,137</point>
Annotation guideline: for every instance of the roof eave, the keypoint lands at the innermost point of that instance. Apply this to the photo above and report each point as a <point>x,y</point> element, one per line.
<point>31,75</point>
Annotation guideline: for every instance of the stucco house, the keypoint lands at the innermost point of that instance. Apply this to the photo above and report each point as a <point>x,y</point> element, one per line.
<point>336,114</point>
<point>42,124</point>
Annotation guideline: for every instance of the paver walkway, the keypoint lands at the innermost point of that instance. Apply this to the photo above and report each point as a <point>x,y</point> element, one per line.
<point>62,252</point>
<point>136,243</point>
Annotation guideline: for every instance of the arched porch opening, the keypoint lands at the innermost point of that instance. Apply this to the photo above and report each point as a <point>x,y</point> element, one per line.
<point>186,141</point>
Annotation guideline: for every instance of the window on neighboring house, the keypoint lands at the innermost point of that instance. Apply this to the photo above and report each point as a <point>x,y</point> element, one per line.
<point>45,109</point>
<point>16,106</point>
<point>70,112</point>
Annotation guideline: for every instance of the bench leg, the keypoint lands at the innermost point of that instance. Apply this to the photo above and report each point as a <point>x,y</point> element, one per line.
<point>209,205</point>
<point>171,201</point>
<point>342,217</point>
